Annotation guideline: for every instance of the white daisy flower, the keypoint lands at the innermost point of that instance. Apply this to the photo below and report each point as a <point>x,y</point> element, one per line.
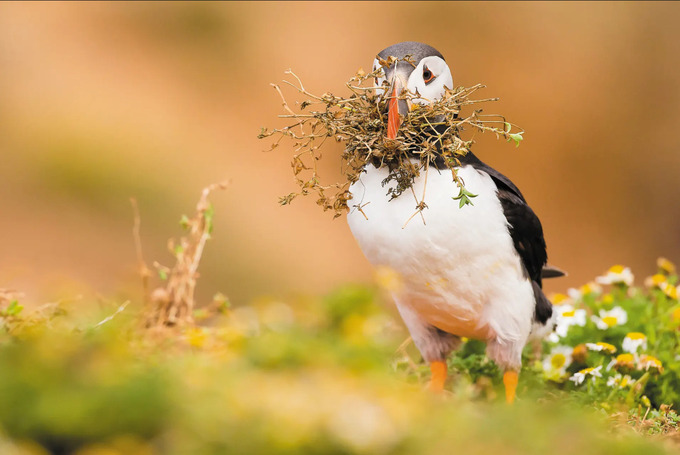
<point>601,346</point>
<point>566,316</point>
<point>647,361</point>
<point>633,341</point>
<point>620,381</point>
<point>586,289</point>
<point>555,364</point>
<point>670,290</point>
<point>580,376</point>
<point>610,318</point>
<point>655,281</point>
<point>625,361</point>
<point>666,266</point>
<point>617,274</point>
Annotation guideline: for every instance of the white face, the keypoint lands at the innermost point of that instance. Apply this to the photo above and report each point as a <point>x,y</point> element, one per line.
<point>429,79</point>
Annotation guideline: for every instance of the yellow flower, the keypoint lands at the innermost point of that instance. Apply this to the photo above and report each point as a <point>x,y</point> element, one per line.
<point>558,299</point>
<point>610,318</point>
<point>580,353</point>
<point>665,266</point>
<point>670,290</point>
<point>675,315</point>
<point>607,299</point>
<point>647,361</point>
<point>555,364</point>
<point>655,281</point>
<point>579,377</point>
<point>602,347</point>
<point>586,289</point>
<point>626,361</point>
<point>617,274</point>
<point>196,337</point>
<point>620,381</point>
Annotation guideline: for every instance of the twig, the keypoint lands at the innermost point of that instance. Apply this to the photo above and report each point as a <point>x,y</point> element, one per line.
<point>109,318</point>
<point>143,270</point>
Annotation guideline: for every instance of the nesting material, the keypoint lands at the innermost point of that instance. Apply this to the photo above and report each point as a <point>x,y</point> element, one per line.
<point>430,133</point>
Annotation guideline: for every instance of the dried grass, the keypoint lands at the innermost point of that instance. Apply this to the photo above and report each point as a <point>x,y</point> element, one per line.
<point>429,134</point>
<point>172,304</point>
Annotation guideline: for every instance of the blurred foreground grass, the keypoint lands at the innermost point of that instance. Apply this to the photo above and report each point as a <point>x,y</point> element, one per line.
<point>310,376</point>
<point>327,375</point>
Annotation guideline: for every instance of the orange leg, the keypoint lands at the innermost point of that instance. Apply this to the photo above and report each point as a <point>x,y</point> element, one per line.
<point>510,379</point>
<point>438,369</point>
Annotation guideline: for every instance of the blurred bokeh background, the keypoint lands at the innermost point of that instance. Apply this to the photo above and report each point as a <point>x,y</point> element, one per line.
<point>103,101</point>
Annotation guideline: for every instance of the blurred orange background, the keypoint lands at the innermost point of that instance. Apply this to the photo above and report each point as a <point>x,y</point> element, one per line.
<point>103,101</point>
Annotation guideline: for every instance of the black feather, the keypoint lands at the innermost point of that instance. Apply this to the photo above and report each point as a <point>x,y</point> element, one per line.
<point>526,232</point>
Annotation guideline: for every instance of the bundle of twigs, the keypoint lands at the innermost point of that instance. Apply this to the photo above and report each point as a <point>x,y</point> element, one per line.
<point>360,121</point>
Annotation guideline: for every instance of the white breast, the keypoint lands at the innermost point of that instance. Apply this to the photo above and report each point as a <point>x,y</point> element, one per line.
<point>459,269</point>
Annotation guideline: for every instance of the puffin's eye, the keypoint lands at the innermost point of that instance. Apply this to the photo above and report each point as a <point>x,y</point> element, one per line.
<point>427,75</point>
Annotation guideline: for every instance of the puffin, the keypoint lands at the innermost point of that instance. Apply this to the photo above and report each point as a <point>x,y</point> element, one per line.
<point>472,271</point>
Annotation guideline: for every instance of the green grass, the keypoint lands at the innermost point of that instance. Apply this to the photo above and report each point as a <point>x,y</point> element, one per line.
<point>315,376</point>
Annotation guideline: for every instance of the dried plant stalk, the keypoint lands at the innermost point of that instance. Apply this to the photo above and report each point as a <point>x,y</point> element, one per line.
<point>173,303</point>
<point>429,134</point>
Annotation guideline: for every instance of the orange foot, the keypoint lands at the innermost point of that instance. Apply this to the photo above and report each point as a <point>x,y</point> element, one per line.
<point>510,379</point>
<point>438,369</point>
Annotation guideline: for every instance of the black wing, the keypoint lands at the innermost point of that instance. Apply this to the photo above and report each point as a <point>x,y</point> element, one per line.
<point>525,228</point>
<point>526,232</point>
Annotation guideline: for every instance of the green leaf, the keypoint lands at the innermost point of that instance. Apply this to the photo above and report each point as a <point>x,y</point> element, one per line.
<point>517,137</point>
<point>184,222</point>
<point>209,214</point>
<point>163,274</point>
<point>14,308</point>
<point>464,197</point>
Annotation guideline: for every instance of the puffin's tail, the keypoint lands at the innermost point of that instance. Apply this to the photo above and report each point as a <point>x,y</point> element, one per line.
<point>544,316</point>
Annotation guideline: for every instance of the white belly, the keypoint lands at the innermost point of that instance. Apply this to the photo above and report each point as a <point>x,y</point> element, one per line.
<point>459,270</point>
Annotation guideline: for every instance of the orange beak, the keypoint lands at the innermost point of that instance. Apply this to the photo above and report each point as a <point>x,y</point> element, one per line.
<point>393,120</point>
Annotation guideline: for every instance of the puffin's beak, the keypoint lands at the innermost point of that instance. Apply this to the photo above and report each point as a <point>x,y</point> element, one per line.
<point>395,106</point>
<point>393,120</point>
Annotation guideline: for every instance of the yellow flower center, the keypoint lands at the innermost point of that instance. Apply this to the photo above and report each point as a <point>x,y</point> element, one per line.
<point>608,299</point>
<point>651,359</point>
<point>624,381</point>
<point>610,348</point>
<point>618,269</point>
<point>676,314</point>
<point>665,265</point>
<point>558,360</point>
<point>636,336</point>
<point>558,299</point>
<point>623,359</point>
<point>610,320</point>
<point>658,279</point>
<point>569,314</point>
<point>671,291</point>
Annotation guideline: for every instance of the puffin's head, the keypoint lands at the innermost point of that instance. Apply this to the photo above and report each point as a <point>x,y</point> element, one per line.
<point>428,77</point>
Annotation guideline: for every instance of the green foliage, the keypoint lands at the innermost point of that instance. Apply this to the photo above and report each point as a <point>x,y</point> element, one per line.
<point>464,197</point>
<point>64,390</point>
<point>619,347</point>
<point>305,377</point>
